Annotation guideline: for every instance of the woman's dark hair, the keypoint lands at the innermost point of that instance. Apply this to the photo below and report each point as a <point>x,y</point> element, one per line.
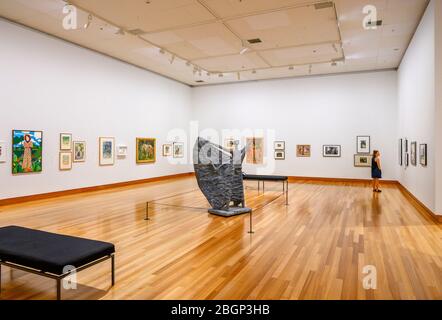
<point>375,153</point>
<point>27,138</point>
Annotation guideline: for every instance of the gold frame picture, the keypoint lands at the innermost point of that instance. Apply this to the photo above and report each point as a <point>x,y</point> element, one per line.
<point>65,146</point>
<point>147,150</point>
<point>82,156</point>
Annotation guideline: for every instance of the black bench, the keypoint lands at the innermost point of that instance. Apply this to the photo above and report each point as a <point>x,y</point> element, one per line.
<point>51,255</point>
<point>270,178</point>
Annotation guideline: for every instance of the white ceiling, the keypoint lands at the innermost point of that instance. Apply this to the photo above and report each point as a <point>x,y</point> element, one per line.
<point>201,40</point>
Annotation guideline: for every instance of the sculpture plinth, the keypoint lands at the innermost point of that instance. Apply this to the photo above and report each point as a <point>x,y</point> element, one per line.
<point>219,175</point>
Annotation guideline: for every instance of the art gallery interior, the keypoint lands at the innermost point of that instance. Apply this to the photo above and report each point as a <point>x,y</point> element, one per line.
<point>220,149</point>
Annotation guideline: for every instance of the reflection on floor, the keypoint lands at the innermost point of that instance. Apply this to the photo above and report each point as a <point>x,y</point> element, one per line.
<point>315,248</point>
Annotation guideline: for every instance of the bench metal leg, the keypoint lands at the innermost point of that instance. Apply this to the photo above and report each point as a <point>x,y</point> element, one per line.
<point>113,269</point>
<point>0,279</point>
<point>58,289</point>
<point>263,187</point>
<point>258,185</point>
<point>287,193</point>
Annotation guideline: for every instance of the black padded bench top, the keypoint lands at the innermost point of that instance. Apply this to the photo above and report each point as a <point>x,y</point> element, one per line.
<point>264,178</point>
<point>49,252</point>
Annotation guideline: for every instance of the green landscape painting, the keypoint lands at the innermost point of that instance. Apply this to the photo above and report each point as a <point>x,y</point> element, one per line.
<point>27,151</point>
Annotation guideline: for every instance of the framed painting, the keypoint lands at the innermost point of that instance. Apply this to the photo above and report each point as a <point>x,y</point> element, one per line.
<point>279,145</point>
<point>146,150</point>
<point>423,153</point>
<point>27,151</point>
<point>65,162</point>
<point>167,150</point>
<point>178,150</point>
<point>413,152</point>
<point>303,151</point>
<point>363,145</point>
<point>405,145</point>
<point>362,161</point>
<point>255,150</point>
<point>79,151</point>
<point>107,151</point>
<point>65,141</point>
<point>2,151</point>
<point>331,151</point>
<point>279,155</point>
<point>400,152</point>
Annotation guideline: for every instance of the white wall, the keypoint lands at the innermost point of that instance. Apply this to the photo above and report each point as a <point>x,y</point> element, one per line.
<point>312,110</point>
<point>416,100</point>
<point>51,85</point>
<point>438,116</point>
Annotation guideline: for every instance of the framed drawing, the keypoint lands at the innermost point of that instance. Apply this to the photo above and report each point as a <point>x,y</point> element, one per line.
<point>2,151</point>
<point>331,151</point>
<point>279,155</point>
<point>400,153</point>
<point>413,152</point>
<point>79,151</point>
<point>65,162</point>
<point>407,159</point>
<point>279,145</point>
<point>178,150</point>
<point>107,151</point>
<point>255,150</point>
<point>363,145</point>
<point>167,150</point>
<point>230,144</point>
<point>27,151</point>
<point>362,161</point>
<point>303,151</point>
<point>65,141</point>
<point>405,145</point>
<point>423,153</point>
<point>146,150</point>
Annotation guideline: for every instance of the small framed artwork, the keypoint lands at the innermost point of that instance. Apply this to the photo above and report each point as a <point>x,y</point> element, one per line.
<point>65,141</point>
<point>279,155</point>
<point>331,151</point>
<point>413,152</point>
<point>107,151</point>
<point>65,161</point>
<point>405,145</point>
<point>2,151</point>
<point>146,150</point>
<point>79,151</point>
<point>27,151</point>
<point>407,159</point>
<point>255,150</point>
<point>400,153</point>
<point>362,161</point>
<point>423,153</point>
<point>279,145</point>
<point>178,150</point>
<point>363,145</point>
<point>303,151</point>
<point>230,144</point>
<point>167,150</point>
<point>122,151</point>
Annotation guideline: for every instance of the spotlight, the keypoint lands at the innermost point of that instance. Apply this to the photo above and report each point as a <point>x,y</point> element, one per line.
<point>238,74</point>
<point>162,51</point>
<point>244,48</point>
<point>172,59</point>
<point>120,32</point>
<point>253,71</point>
<point>220,75</point>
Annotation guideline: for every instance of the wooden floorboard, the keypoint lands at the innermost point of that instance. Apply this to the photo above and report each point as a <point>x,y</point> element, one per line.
<point>315,248</point>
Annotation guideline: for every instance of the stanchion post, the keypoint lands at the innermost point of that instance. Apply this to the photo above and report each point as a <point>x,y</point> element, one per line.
<point>147,211</point>
<point>251,226</point>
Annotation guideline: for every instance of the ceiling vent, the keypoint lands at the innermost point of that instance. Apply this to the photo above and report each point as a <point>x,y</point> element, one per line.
<point>136,32</point>
<point>377,23</point>
<point>254,41</point>
<point>199,81</point>
<point>323,5</point>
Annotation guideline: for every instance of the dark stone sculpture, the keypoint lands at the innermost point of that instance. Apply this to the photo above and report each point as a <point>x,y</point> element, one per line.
<point>219,175</point>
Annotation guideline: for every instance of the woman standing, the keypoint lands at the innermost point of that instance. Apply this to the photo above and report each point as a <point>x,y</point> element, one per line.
<point>27,155</point>
<point>376,171</point>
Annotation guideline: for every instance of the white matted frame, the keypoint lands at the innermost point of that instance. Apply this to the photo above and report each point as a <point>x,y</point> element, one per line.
<point>363,145</point>
<point>2,151</point>
<point>107,151</point>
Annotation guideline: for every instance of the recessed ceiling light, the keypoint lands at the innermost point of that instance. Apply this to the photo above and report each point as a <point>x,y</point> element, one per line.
<point>172,59</point>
